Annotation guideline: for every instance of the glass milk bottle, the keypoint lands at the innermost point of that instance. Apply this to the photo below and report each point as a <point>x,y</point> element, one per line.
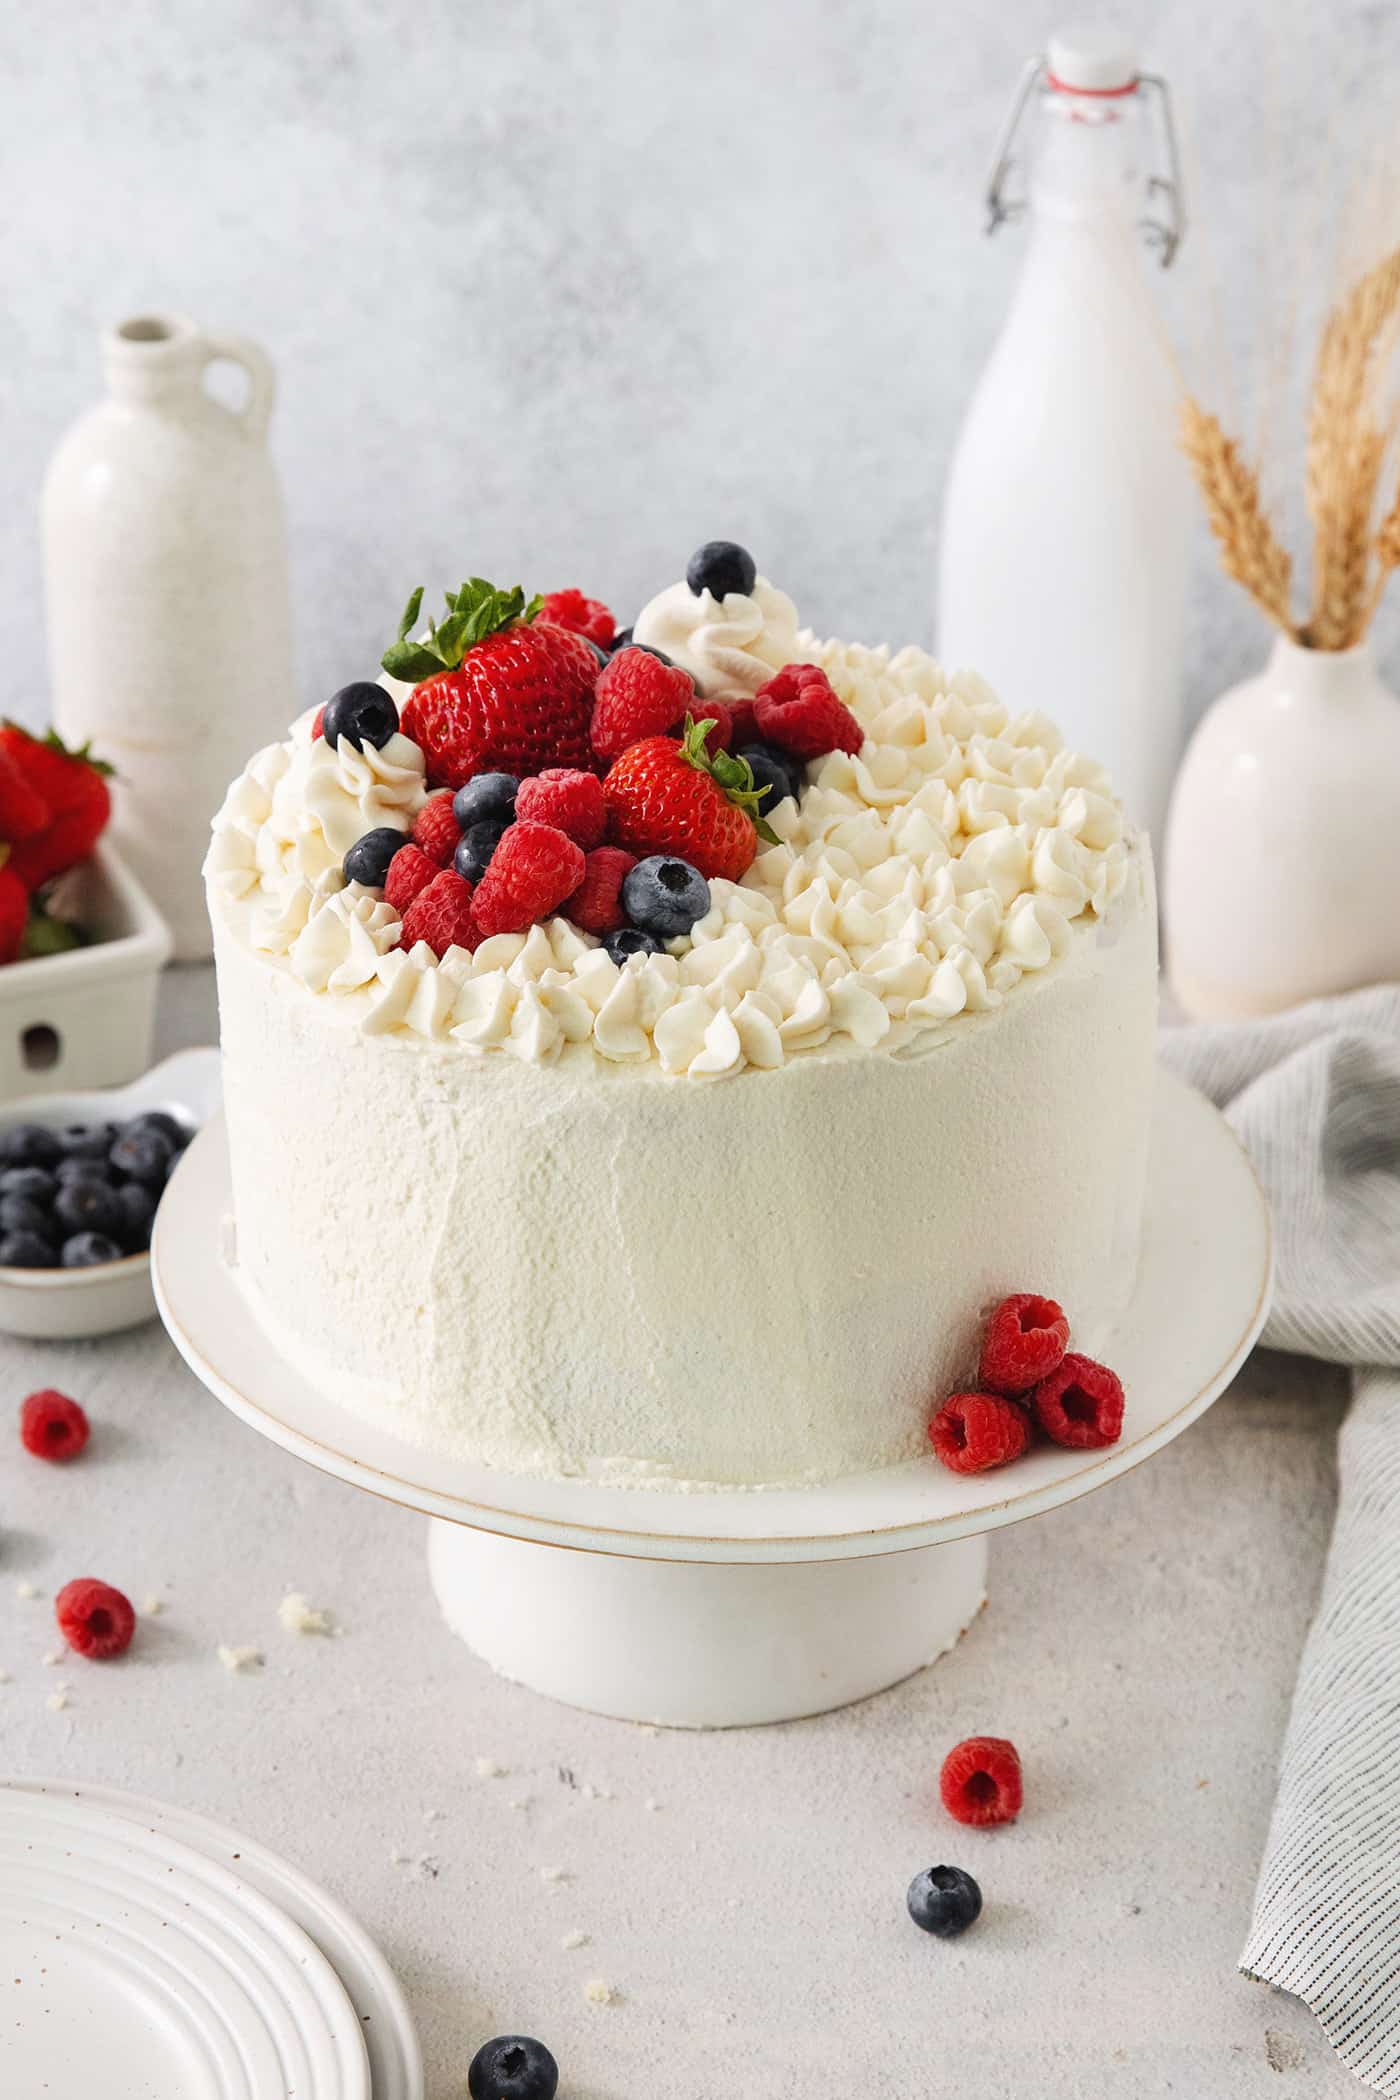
<point>1066,515</point>
<point>165,576</point>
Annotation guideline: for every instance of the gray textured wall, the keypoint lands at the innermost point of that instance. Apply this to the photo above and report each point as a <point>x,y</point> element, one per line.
<point>557,292</point>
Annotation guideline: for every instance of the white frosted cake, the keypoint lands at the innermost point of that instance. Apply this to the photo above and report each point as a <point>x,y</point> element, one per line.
<point>528,1176</point>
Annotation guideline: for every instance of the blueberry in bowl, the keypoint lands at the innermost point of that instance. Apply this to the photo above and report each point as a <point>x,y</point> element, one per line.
<point>81,1178</point>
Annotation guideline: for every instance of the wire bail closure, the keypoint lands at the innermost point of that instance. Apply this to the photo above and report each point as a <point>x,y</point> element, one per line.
<point>1161,228</point>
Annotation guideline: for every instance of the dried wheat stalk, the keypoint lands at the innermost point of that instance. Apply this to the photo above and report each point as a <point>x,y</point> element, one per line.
<point>1387,551</point>
<point>1250,549</point>
<point>1346,449</point>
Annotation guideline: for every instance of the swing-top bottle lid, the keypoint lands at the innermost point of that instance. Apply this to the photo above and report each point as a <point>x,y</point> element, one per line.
<point>1088,58</point>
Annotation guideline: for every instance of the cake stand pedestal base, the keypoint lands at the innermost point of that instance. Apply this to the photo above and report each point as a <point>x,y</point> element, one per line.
<point>696,1644</point>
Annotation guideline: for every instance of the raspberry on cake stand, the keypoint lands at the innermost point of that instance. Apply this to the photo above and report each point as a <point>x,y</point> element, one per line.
<point>726,1608</point>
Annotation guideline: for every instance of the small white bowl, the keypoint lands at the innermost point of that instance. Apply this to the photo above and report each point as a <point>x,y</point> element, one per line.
<point>85,1018</point>
<point>50,1305</point>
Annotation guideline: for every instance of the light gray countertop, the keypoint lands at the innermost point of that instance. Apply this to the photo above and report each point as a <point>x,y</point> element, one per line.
<point>1139,1647</point>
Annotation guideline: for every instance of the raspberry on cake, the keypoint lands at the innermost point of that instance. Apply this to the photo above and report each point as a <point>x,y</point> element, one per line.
<point>875,1002</point>
<point>571,801</point>
<point>441,915</point>
<point>436,831</point>
<point>596,905</point>
<point>532,871</point>
<point>410,872</point>
<point>798,712</point>
<point>586,616</point>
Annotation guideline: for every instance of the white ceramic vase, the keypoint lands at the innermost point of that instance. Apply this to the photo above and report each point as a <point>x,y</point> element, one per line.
<point>166,583</point>
<point>1283,839</point>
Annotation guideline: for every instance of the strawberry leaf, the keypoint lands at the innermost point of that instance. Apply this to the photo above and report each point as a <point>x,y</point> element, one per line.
<point>734,775</point>
<point>475,611</point>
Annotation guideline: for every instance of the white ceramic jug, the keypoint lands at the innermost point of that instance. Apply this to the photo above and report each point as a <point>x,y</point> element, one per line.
<point>1283,839</point>
<point>166,582</point>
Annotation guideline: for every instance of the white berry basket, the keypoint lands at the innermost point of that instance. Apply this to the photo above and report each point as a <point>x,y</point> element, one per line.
<point>86,1018</point>
<point>732,1607</point>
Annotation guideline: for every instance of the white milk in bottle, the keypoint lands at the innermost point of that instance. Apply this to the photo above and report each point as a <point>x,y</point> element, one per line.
<point>1063,554</point>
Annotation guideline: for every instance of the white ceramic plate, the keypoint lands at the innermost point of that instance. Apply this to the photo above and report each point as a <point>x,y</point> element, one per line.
<point>136,1969</point>
<point>1200,1302</point>
<point>391,2042</point>
<point>49,1305</point>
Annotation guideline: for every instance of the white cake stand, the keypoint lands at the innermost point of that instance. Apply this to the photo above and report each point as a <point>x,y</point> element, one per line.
<point>731,1607</point>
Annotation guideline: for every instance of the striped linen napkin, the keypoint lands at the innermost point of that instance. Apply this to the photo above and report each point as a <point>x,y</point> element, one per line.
<point>1314,1096</point>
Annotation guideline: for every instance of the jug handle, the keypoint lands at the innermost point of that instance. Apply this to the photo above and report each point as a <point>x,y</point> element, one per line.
<point>262,379</point>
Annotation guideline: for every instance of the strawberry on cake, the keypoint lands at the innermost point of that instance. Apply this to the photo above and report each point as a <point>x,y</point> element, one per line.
<point>653,1054</point>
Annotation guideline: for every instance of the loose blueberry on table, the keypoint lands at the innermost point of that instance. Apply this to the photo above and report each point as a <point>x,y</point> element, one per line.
<point>80,1197</point>
<point>944,1901</point>
<point>513,2067</point>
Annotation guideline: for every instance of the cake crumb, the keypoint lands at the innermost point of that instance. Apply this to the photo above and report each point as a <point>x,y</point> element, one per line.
<point>432,1815</point>
<point>653,1804</point>
<point>398,1859</point>
<point>53,1658</point>
<point>648,1728</point>
<point>573,1940</point>
<point>152,1608</point>
<point>56,1702</point>
<point>25,1589</point>
<point>5,1677</point>
<point>598,1992</point>
<point>236,1659</point>
<point>298,1616</point>
<point>489,1768</point>
<point>555,1875</point>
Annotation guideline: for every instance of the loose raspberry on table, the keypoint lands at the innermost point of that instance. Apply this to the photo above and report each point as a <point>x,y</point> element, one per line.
<point>637,696</point>
<point>980,1782</point>
<point>94,1619</point>
<point>596,905</point>
<point>572,802</point>
<point>410,872</point>
<point>436,830</point>
<point>1025,1340</point>
<point>798,711</point>
<point>972,1432</point>
<point>441,915</point>
<point>1080,1405</point>
<point>586,616</point>
<point>533,869</point>
<point>52,1426</point>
